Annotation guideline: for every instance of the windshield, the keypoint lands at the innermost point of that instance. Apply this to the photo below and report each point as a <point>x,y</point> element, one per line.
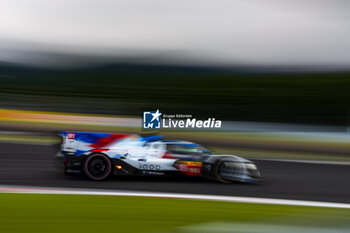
<point>187,149</point>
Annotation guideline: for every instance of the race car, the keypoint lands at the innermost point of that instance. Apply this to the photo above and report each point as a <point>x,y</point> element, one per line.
<point>99,155</point>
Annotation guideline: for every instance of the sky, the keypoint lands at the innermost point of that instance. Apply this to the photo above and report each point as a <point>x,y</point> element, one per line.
<point>219,32</point>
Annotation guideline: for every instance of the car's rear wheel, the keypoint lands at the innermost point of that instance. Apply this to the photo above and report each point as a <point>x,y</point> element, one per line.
<point>97,167</point>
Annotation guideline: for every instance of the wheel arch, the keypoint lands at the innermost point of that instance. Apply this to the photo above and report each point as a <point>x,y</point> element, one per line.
<point>89,157</point>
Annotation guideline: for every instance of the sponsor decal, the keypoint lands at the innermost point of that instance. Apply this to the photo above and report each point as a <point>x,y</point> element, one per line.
<point>152,173</point>
<point>71,135</point>
<point>151,167</point>
<point>189,168</point>
<point>157,120</point>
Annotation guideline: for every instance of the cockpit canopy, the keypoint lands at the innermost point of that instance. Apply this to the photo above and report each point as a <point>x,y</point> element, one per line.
<point>186,149</point>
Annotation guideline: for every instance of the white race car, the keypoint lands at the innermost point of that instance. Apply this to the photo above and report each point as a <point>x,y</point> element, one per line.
<point>98,155</point>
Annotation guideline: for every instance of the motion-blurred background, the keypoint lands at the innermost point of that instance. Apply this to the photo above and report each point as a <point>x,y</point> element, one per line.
<point>279,70</point>
<point>276,72</point>
<point>279,61</point>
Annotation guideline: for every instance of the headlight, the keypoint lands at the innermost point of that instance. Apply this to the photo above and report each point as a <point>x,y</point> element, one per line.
<point>252,170</point>
<point>251,166</point>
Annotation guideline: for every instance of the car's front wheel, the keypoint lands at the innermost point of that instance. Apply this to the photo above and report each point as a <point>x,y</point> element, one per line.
<point>97,167</point>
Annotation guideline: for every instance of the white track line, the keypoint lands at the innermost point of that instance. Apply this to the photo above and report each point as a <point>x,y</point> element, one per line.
<point>67,191</point>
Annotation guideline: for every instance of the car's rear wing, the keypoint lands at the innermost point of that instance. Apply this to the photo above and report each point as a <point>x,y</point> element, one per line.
<point>81,142</point>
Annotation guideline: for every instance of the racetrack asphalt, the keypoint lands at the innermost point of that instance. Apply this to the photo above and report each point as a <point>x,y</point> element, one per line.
<point>33,165</point>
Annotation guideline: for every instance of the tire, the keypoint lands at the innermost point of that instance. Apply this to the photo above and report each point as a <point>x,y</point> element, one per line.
<point>216,170</point>
<point>97,167</point>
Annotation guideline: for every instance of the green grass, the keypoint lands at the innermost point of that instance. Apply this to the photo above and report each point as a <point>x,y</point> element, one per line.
<point>77,213</point>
